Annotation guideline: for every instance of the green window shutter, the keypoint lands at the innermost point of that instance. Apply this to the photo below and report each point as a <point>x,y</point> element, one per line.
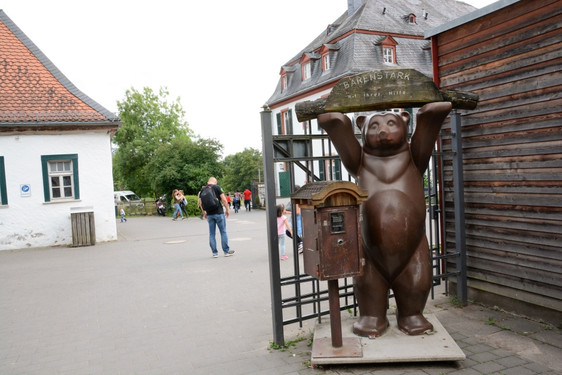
<point>3,190</point>
<point>337,167</point>
<point>45,169</point>
<point>321,170</point>
<point>75,174</point>
<point>279,125</point>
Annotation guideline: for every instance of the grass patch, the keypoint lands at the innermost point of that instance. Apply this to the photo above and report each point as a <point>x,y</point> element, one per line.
<point>492,322</point>
<point>292,343</point>
<point>455,301</point>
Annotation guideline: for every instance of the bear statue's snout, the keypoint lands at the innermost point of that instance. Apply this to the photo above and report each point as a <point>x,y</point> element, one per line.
<point>383,135</point>
<point>383,131</point>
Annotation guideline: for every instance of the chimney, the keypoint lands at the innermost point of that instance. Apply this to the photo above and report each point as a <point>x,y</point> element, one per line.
<point>352,6</point>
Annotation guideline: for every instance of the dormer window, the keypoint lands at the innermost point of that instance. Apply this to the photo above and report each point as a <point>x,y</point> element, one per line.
<point>388,55</point>
<point>284,81</point>
<point>286,76</point>
<point>307,59</point>
<point>326,62</point>
<point>306,71</point>
<point>328,53</point>
<point>411,18</point>
<point>388,46</point>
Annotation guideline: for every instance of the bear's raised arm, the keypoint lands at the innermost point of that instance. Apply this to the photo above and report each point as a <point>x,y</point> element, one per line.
<point>429,120</point>
<point>340,130</point>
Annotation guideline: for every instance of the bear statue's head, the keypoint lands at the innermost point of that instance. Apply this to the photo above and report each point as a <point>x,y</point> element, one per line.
<point>384,133</point>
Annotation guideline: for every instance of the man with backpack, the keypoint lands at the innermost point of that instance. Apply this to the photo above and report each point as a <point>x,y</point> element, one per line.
<point>211,200</point>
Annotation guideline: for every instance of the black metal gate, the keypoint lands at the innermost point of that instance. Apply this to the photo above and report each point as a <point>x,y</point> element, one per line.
<point>296,296</point>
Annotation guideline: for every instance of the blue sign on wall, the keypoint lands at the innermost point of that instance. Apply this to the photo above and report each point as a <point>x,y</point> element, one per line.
<point>25,190</point>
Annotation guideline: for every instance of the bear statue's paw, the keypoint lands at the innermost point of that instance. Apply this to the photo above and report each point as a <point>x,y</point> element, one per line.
<point>370,326</point>
<point>415,325</point>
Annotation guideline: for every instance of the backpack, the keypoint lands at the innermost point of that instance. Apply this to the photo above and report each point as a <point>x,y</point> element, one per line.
<point>209,200</point>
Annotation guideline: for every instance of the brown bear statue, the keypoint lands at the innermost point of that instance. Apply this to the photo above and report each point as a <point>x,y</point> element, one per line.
<point>394,242</point>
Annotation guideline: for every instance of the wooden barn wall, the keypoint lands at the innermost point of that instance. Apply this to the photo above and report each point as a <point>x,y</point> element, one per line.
<point>512,151</point>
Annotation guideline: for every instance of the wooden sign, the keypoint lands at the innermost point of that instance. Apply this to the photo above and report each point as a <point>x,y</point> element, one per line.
<point>380,90</point>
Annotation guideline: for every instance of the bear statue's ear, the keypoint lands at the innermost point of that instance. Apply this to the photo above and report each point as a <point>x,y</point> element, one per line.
<point>405,117</point>
<point>361,121</point>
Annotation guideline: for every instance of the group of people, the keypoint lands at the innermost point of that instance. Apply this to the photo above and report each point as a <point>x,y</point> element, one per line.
<point>236,200</point>
<point>217,212</point>
<point>180,202</point>
<point>215,207</point>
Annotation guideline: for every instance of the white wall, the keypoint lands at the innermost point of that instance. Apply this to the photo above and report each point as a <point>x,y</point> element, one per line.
<point>28,221</point>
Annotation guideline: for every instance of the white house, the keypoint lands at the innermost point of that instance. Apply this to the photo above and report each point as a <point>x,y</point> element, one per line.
<point>55,150</point>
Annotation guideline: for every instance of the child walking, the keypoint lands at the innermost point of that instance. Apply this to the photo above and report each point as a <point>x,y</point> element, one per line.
<point>122,212</point>
<point>282,225</point>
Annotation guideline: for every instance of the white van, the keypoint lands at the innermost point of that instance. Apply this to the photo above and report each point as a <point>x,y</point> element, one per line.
<point>129,198</point>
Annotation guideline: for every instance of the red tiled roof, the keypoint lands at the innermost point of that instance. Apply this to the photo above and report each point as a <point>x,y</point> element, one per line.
<point>33,90</point>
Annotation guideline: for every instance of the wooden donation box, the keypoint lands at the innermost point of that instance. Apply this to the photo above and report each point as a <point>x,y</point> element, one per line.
<point>331,234</point>
<point>331,228</point>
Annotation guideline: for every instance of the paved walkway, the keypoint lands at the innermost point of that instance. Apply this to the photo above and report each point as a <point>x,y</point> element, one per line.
<point>156,302</point>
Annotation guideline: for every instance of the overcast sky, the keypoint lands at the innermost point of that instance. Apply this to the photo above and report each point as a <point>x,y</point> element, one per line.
<point>221,58</point>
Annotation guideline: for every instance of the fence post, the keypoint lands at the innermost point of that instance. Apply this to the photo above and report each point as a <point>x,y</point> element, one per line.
<point>271,215</point>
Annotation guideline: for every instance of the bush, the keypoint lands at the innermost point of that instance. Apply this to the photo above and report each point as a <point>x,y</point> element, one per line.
<point>192,207</point>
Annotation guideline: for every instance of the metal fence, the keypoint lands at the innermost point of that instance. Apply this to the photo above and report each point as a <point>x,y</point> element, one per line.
<point>297,297</point>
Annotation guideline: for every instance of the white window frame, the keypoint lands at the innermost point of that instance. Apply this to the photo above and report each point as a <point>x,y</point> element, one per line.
<point>60,179</point>
<point>388,55</point>
<point>326,62</point>
<point>306,71</point>
<point>64,170</point>
<point>284,82</point>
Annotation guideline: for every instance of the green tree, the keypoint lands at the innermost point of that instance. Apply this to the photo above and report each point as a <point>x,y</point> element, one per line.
<point>241,169</point>
<point>184,164</point>
<point>149,121</point>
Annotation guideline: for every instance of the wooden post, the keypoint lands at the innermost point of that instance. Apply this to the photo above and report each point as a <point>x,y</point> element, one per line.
<point>335,315</point>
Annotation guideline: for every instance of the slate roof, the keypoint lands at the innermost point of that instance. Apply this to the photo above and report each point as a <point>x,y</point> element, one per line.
<point>356,36</point>
<point>479,13</point>
<point>34,92</point>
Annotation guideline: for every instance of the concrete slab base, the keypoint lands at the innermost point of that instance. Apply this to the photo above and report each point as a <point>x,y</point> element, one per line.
<point>392,346</point>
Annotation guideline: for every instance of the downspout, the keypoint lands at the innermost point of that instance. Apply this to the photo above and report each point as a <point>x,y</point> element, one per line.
<point>458,183</point>
<point>435,59</point>
<point>435,70</point>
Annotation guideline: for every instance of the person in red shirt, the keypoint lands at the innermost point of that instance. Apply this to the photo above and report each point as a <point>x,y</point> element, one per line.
<point>247,198</point>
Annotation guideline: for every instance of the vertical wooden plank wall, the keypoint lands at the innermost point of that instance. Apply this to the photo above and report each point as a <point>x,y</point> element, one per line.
<point>512,145</point>
<point>83,229</point>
